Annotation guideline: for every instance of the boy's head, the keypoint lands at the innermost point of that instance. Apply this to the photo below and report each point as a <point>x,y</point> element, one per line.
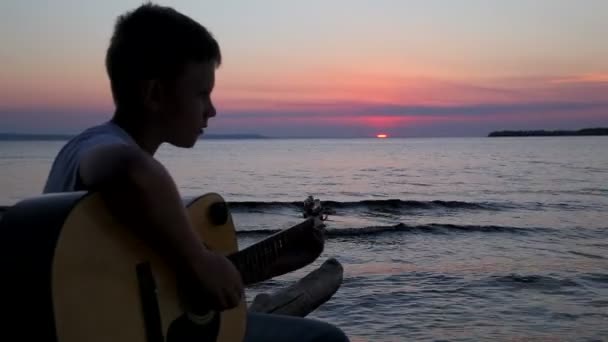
<point>161,66</point>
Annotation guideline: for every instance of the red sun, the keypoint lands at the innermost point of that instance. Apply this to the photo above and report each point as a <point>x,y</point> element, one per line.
<point>382,136</point>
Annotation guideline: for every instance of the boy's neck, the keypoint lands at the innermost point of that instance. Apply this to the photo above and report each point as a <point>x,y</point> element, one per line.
<point>146,137</point>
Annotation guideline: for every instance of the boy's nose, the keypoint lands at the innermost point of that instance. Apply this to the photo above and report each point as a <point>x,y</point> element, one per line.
<point>211,112</point>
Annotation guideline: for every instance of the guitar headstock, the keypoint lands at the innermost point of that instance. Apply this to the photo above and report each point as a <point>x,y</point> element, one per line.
<point>313,208</point>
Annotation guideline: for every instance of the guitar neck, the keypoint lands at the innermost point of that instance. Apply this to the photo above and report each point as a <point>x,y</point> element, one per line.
<point>254,261</point>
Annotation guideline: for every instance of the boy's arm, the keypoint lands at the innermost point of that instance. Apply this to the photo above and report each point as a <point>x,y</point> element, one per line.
<point>139,192</point>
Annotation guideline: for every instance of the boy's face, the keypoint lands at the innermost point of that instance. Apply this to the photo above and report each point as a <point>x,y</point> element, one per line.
<point>187,111</point>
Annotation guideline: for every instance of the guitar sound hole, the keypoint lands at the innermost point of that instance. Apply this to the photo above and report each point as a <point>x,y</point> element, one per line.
<point>218,213</point>
<point>184,330</point>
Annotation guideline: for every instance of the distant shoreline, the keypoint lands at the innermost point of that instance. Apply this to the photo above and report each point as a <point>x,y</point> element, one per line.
<point>25,137</point>
<point>543,133</point>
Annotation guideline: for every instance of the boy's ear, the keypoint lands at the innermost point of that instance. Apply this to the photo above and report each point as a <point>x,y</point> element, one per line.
<point>152,94</point>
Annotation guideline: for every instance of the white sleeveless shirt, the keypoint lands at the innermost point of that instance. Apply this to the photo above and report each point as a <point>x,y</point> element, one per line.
<point>64,176</point>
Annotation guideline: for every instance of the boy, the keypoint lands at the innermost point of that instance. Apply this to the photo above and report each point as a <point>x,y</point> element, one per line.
<point>161,66</point>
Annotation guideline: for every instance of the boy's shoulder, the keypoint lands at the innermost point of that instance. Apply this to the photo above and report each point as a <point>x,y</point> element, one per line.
<point>102,134</point>
<point>63,175</point>
<point>106,130</point>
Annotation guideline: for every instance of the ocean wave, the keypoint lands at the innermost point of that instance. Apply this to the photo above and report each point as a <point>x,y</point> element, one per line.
<point>532,281</point>
<point>372,205</point>
<point>596,277</point>
<point>587,255</point>
<point>404,228</point>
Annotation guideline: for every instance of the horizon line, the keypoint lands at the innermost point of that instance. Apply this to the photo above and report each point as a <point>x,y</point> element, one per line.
<point>7,136</point>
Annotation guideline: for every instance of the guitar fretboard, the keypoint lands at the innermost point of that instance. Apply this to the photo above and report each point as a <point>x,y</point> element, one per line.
<point>253,262</point>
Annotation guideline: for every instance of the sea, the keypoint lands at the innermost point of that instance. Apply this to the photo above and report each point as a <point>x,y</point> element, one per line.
<point>440,239</point>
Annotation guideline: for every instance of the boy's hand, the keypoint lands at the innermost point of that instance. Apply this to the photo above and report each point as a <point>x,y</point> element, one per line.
<point>312,243</point>
<point>218,285</point>
<point>316,240</point>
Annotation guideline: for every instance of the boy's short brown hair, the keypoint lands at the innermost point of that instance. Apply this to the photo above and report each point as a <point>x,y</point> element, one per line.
<point>154,42</point>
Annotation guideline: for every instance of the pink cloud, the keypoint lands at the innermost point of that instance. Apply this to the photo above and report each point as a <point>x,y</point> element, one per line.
<point>585,78</point>
<point>326,93</point>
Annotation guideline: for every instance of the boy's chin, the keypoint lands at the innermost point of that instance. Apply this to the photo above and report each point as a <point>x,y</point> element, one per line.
<point>184,142</point>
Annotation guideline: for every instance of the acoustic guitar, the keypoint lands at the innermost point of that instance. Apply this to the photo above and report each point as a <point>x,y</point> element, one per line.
<point>72,273</point>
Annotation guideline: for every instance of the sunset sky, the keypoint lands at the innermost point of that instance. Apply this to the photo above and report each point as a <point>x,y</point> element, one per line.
<point>331,68</point>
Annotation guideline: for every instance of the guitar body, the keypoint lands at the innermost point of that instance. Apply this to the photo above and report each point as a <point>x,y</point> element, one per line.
<point>105,284</point>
